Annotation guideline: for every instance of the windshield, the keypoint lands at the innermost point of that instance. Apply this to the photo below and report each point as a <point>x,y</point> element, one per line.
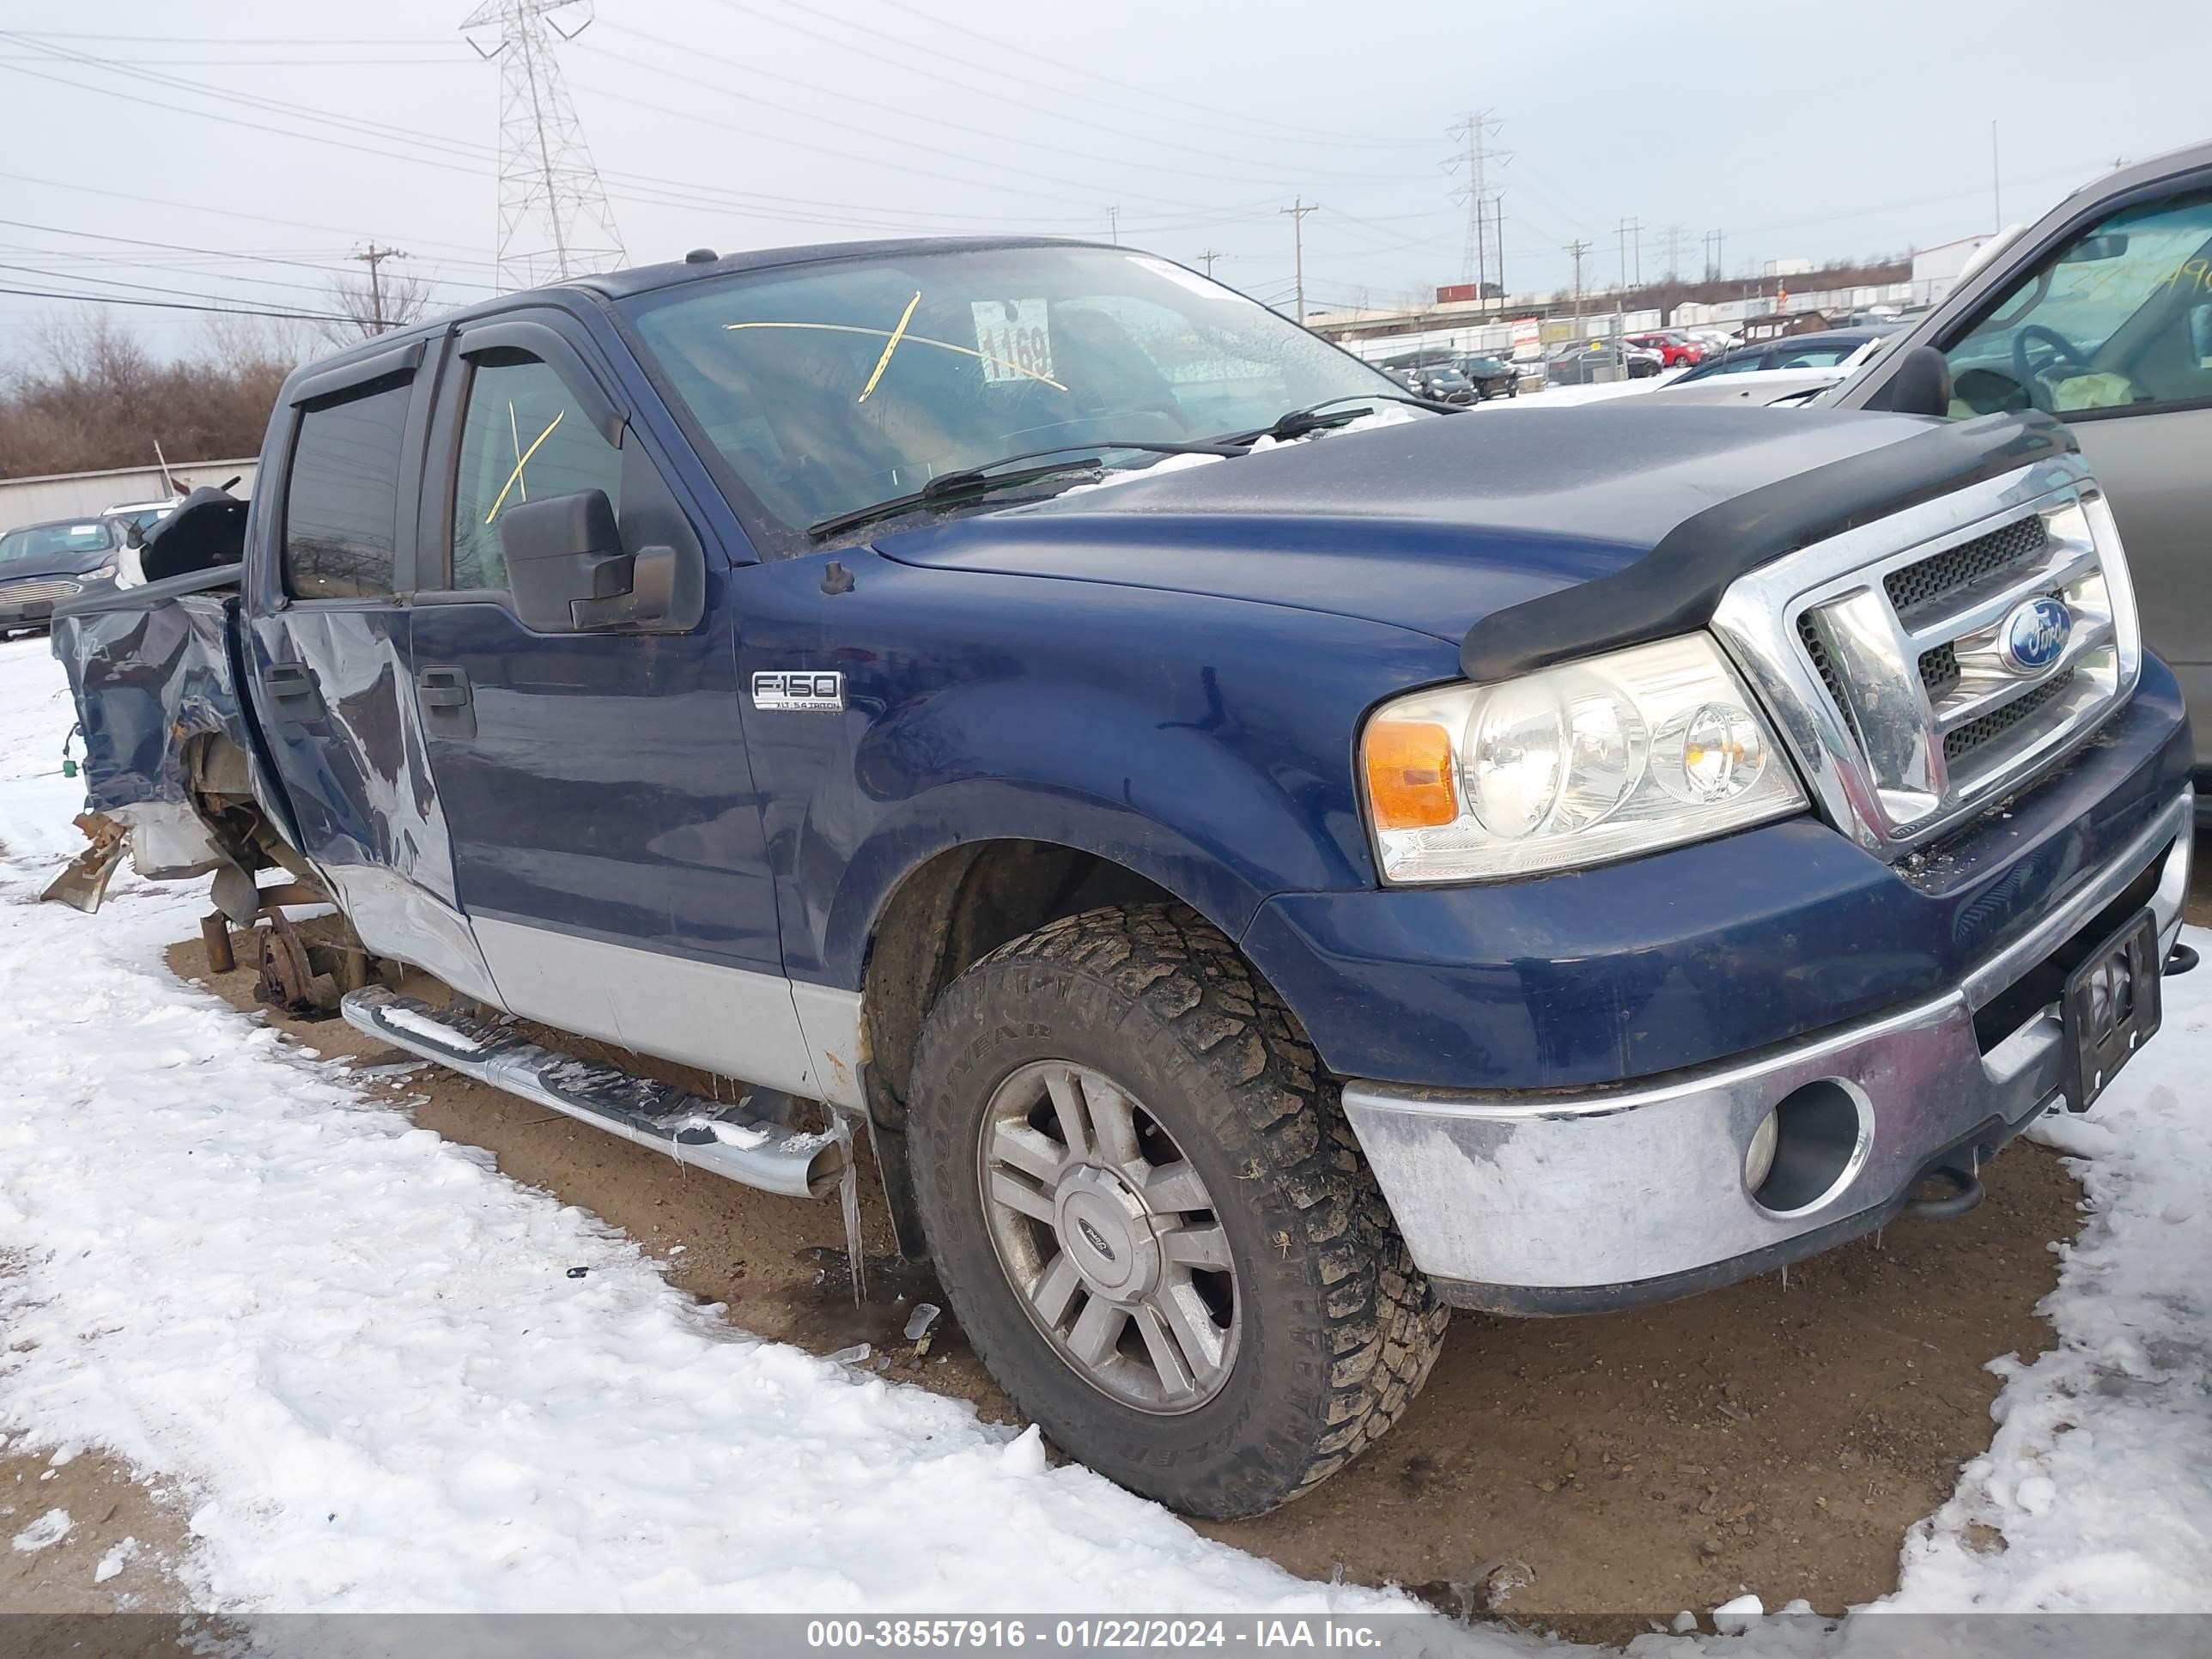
<point>833,385</point>
<point>46,541</point>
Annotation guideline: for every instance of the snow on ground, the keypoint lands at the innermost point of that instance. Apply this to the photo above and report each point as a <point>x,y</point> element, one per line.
<point>355,1348</point>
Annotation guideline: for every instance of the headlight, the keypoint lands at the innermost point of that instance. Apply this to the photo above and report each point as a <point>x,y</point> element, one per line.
<point>106,570</point>
<point>1601,759</point>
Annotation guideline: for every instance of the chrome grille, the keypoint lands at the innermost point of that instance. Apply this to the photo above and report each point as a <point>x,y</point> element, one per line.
<point>1930,579</point>
<point>32,592</point>
<point>1827,669</point>
<point>1881,652</point>
<point>1939,670</point>
<point>1984,728</point>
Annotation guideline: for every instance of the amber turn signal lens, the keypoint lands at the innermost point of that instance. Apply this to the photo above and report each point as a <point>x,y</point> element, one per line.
<point>1409,775</point>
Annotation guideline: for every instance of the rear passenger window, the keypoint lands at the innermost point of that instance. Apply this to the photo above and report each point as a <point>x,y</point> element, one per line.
<point>524,439</point>
<point>342,497</point>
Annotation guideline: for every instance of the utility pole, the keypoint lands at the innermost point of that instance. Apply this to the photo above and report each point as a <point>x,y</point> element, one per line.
<point>1298,209</point>
<point>1996,192</point>
<point>1579,250</point>
<point>1475,191</point>
<point>554,220</point>
<point>373,256</point>
<point>1715,241</point>
<point>1497,202</point>
<point>1114,224</point>
<point>1674,253</point>
<point>1207,259</point>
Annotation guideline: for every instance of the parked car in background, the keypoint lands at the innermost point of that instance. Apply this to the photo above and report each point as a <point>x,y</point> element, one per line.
<point>1587,363</point>
<point>1765,387</point>
<point>1675,348</point>
<point>1822,351</point>
<point>1442,383</point>
<point>2100,314</point>
<point>1757,329</point>
<point>41,563</point>
<point>1492,377</point>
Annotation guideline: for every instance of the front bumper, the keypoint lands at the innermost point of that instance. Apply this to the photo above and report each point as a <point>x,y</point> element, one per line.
<point>1572,1201</point>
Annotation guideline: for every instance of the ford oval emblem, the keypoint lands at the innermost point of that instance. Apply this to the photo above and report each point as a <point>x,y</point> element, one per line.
<point>2035,635</point>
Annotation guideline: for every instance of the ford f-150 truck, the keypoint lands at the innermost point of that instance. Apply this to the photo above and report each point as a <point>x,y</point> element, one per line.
<point>1259,859</point>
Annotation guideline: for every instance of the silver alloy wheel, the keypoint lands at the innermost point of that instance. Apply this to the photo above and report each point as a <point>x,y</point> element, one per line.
<point>1108,1236</point>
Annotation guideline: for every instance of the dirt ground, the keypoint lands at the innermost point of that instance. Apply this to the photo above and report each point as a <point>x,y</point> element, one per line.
<point>1580,1475</point>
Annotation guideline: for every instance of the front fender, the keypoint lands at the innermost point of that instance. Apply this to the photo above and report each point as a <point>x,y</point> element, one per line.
<point>1204,743</point>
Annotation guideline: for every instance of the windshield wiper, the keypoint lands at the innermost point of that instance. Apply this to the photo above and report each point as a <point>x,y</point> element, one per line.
<point>1296,422</point>
<point>969,482</point>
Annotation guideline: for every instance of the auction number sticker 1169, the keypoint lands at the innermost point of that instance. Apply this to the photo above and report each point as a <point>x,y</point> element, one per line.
<point>1015,340</point>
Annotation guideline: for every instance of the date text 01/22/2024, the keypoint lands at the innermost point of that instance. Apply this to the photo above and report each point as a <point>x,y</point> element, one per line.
<point>1101,1633</point>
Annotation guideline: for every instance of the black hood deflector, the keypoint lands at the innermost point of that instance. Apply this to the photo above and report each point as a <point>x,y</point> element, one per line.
<point>1677,586</point>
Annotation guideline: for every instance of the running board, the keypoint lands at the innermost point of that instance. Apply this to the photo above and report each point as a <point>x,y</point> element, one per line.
<point>726,1141</point>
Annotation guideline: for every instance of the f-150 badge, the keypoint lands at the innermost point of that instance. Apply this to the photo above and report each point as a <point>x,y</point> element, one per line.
<point>800,690</point>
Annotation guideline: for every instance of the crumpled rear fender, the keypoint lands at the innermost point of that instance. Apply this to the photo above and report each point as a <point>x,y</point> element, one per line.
<point>152,685</point>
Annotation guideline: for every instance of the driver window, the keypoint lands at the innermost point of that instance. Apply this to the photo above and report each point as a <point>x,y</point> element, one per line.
<point>2120,318</point>
<point>523,439</point>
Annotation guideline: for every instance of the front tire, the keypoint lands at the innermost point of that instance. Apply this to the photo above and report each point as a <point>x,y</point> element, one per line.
<point>1153,1220</point>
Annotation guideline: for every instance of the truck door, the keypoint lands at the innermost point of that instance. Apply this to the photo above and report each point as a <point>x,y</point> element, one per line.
<point>327,642</point>
<point>607,838</point>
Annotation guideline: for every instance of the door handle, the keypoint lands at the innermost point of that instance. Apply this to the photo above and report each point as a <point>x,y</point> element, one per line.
<point>447,707</point>
<point>291,685</point>
<point>443,687</point>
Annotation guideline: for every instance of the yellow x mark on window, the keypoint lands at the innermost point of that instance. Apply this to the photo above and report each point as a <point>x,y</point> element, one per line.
<point>522,460</point>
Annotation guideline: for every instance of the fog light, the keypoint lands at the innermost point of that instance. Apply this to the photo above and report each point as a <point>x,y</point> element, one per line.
<point>1758,1157</point>
<point>1819,1140</point>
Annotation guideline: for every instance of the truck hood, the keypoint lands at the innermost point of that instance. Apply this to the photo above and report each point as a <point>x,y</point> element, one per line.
<point>1428,525</point>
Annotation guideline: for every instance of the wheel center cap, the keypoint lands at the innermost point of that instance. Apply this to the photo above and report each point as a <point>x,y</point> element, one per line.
<point>1106,1233</point>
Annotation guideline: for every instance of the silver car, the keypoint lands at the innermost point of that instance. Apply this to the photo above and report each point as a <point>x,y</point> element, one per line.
<point>2101,313</point>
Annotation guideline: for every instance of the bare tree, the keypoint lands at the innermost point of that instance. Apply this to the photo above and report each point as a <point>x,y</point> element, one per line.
<point>374,303</point>
<point>91,396</point>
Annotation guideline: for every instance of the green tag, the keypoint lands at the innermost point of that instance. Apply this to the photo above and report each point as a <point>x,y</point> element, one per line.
<point>68,767</point>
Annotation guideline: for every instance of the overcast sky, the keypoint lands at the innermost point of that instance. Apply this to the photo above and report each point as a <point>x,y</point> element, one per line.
<point>1800,130</point>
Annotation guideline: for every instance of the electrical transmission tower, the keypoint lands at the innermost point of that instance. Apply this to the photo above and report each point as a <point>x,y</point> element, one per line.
<point>1475,193</point>
<point>554,220</point>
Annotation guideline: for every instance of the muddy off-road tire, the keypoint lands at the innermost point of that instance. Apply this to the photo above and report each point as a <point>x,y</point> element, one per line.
<point>1153,1220</point>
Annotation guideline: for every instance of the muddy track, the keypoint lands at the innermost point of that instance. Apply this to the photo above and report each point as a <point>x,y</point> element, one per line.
<point>1580,1475</point>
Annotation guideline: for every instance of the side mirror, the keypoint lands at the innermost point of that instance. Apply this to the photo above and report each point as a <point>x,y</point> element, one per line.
<point>1921,384</point>
<point>569,574</point>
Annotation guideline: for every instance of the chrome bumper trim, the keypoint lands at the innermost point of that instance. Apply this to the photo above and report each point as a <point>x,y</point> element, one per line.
<point>1644,1181</point>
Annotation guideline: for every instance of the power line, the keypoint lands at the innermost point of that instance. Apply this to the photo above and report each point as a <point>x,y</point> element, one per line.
<point>999,45</point>
<point>176,305</point>
<point>217,253</point>
<point>199,208</point>
<point>837,110</point>
<point>136,39</point>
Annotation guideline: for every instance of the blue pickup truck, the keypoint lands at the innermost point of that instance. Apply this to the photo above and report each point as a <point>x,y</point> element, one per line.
<point>1259,861</point>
